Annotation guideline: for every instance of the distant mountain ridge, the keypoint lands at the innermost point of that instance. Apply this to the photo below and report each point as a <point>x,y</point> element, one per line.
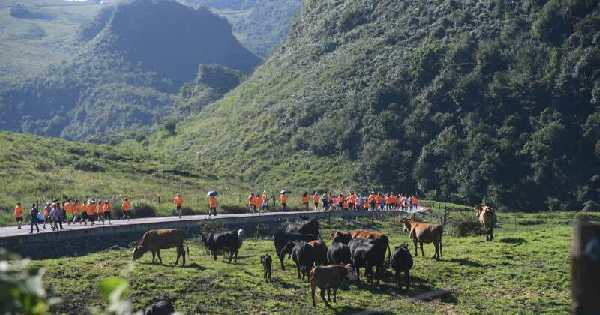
<point>137,57</point>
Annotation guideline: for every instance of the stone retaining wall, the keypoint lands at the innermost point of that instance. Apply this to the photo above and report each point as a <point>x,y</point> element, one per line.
<point>83,241</point>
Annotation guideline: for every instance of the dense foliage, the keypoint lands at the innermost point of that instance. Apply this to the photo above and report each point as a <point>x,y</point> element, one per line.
<point>127,75</point>
<point>493,101</point>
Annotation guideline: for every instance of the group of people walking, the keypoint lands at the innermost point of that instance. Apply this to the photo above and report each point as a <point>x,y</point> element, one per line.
<point>329,201</point>
<point>55,213</point>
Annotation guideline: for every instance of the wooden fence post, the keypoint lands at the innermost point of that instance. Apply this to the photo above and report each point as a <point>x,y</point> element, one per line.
<point>585,268</point>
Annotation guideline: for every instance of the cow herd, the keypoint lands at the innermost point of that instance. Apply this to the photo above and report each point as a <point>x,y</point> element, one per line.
<point>324,267</point>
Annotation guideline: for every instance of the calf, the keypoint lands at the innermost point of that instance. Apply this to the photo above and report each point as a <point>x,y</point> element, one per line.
<point>320,252</point>
<point>487,219</point>
<point>266,262</point>
<point>155,240</point>
<point>281,238</point>
<point>402,262</point>
<point>339,253</point>
<point>162,307</point>
<point>369,254</point>
<point>303,256</point>
<point>328,278</point>
<point>230,242</point>
<point>425,233</point>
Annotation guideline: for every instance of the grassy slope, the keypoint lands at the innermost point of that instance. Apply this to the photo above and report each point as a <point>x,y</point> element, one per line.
<point>37,169</point>
<point>525,270</point>
<point>27,46</point>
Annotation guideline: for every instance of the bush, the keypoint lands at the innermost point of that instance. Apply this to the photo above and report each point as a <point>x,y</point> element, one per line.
<point>143,210</point>
<point>466,227</point>
<point>591,205</point>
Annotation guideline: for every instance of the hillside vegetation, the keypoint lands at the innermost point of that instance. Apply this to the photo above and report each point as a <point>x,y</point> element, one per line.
<point>35,170</point>
<point>137,57</point>
<point>494,101</point>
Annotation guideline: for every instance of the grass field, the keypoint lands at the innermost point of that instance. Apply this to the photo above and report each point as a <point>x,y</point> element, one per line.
<point>525,270</point>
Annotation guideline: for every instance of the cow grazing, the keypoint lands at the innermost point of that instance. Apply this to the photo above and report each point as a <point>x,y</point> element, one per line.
<point>425,233</point>
<point>303,256</point>
<point>307,228</point>
<point>229,242</point>
<point>281,238</point>
<point>266,262</point>
<point>328,278</point>
<point>319,251</point>
<point>155,240</point>
<point>162,307</point>
<point>369,253</point>
<point>402,262</point>
<point>339,253</point>
<point>487,219</point>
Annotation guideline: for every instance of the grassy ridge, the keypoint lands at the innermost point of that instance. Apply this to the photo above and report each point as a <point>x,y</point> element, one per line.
<point>525,270</point>
<point>36,169</point>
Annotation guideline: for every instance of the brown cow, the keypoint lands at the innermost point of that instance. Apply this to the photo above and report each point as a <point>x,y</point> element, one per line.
<point>155,240</point>
<point>425,233</point>
<point>328,278</point>
<point>319,251</point>
<point>346,237</point>
<point>487,218</point>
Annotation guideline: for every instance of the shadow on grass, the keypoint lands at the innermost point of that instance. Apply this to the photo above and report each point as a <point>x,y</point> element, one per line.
<point>465,262</point>
<point>513,240</point>
<point>418,286</point>
<point>285,285</point>
<point>356,310</point>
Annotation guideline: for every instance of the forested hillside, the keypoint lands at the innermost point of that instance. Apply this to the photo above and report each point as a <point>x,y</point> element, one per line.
<point>128,75</point>
<point>260,25</point>
<point>474,101</point>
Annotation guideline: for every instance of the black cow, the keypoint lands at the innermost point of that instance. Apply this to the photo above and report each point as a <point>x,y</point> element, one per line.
<point>307,228</point>
<point>303,256</point>
<point>402,261</point>
<point>281,238</point>
<point>339,254</point>
<point>230,242</point>
<point>369,254</point>
<point>162,307</point>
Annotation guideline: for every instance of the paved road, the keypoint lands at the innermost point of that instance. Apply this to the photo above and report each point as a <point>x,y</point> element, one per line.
<point>13,230</point>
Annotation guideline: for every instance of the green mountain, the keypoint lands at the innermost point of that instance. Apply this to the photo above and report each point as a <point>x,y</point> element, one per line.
<point>137,56</point>
<point>259,25</point>
<point>494,101</point>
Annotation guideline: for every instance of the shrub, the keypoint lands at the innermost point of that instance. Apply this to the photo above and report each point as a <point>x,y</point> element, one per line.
<point>143,210</point>
<point>466,227</point>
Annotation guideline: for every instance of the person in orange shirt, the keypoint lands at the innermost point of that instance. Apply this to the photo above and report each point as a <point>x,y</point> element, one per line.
<point>378,199</point>
<point>251,202</point>
<point>68,206</point>
<point>106,209</point>
<point>257,202</point>
<point>352,201</point>
<point>125,207</point>
<point>283,200</point>
<point>212,205</point>
<point>305,200</point>
<point>178,200</point>
<point>316,198</point>
<point>19,214</point>
<point>371,201</point>
<point>90,211</point>
<point>415,202</point>
<point>392,201</point>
